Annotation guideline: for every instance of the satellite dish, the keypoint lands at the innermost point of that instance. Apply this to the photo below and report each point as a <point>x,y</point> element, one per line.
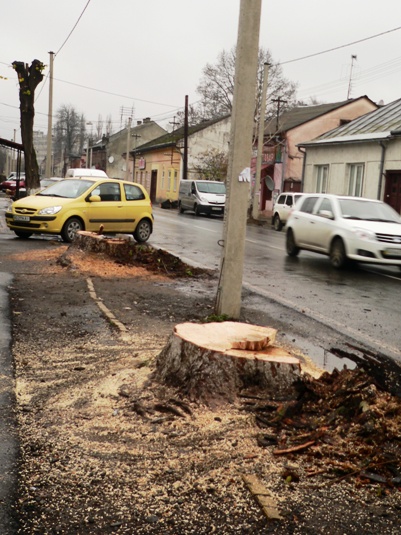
<point>269,183</point>
<point>111,159</point>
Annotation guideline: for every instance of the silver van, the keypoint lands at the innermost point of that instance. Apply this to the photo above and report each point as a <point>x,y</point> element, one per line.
<point>202,197</point>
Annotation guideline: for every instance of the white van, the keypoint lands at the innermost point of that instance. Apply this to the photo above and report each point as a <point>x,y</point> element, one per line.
<point>202,197</point>
<point>79,172</point>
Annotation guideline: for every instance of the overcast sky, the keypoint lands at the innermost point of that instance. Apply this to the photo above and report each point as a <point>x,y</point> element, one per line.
<point>146,55</point>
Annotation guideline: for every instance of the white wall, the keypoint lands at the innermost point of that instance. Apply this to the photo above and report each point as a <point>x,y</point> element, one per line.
<point>338,157</point>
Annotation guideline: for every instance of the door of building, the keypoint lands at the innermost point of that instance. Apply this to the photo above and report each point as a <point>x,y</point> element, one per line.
<point>153,185</point>
<point>392,193</point>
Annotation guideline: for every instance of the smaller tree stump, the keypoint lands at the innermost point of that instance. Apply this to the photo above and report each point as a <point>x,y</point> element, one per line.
<point>214,363</point>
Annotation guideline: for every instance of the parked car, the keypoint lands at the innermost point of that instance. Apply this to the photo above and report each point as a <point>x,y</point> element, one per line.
<point>282,208</point>
<point>202,196</point>
<point>345,228</point>
<point>92,204</point>
<point>11,183</point>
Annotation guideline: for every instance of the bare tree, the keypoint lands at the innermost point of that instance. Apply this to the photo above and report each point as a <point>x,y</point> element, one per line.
<point>3,160</point>
<point>29,77</point>
<point>99,127</point>
<point>109,125</point>
<point>212,165</point>
<point>70,133</point>
<point>216,87</point>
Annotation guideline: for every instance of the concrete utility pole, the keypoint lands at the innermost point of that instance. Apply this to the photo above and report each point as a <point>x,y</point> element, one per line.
<point>239,174</point>
<point>261,135</point>
<point>185,158</point>
<point>128,144</point>
<point>48,170</point>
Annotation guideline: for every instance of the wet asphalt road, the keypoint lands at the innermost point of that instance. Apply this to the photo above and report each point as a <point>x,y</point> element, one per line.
<point>361,302</point>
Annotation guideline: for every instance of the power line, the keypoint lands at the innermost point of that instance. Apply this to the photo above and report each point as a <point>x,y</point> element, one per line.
<point>341,46</point>
<point>115,94</point>
<point>75,25</point>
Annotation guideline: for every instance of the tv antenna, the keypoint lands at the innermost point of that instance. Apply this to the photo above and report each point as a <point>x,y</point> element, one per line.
<point>353,58</point>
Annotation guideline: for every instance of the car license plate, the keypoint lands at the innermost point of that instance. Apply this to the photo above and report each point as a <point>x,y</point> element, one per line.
<point>219,209</point>
<point>392,252</point>
<point>22,218</point>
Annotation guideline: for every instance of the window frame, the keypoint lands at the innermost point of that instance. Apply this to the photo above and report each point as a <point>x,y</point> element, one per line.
<point>355,183</point>
<point>322,182</point>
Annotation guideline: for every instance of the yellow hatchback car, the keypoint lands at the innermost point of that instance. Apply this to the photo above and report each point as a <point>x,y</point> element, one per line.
<point>85,203</point>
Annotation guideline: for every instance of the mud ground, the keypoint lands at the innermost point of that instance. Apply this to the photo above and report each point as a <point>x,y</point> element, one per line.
<point>104,449</point>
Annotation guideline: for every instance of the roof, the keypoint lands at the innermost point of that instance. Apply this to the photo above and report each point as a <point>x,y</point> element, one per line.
<point>294,117</point>
<point>379,124</point>
<point>171,138</point>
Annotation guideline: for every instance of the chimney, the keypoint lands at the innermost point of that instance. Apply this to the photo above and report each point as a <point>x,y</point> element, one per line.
<point>138,123</point>
<point>146,120</point>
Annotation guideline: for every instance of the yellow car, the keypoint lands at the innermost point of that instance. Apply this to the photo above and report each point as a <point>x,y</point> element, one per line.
<point>85,203</point>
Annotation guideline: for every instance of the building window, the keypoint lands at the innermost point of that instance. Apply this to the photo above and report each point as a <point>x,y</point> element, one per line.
<point>162,185</point>
<point>355,179</point>
<point>169,181</point>
<point>175,180</point>
<point>322,177</point>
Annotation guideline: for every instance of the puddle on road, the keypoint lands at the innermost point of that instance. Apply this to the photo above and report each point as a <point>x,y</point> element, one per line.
<point>321,357</point>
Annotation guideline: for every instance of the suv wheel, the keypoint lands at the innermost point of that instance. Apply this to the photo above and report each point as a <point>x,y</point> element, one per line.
<point>291,247</point>
<point>277,223</point>
<point>180,208</point>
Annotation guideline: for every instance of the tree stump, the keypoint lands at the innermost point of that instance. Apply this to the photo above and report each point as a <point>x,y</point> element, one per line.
<point>214,363</point>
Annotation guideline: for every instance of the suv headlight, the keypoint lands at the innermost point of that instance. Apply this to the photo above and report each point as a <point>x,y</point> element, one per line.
<point>364,234</point>
<point>50,211</point>
<point>203,199</point>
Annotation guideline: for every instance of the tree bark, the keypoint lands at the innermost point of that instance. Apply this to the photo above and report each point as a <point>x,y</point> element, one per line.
<point>29,77</point>
<point>203,362</point>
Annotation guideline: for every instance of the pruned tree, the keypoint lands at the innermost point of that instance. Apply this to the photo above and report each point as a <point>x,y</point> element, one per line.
<point>29,77</point>
<point>211,165</point>
<point>216,87</point>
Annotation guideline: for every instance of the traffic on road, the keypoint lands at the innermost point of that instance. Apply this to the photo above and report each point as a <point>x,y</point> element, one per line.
<point>360,301</point>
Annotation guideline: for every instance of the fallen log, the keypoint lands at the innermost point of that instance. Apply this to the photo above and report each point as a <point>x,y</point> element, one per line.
<point>203,361</point>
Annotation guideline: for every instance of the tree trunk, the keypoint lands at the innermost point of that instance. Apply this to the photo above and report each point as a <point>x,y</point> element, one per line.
<point>214,363</point>
<point>29,78</point>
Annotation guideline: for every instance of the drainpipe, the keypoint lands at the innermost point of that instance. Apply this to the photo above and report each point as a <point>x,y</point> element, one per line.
<point>303,151</point>
<point>379,189</point>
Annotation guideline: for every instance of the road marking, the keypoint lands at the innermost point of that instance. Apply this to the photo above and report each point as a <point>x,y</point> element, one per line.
<point>109,315</point>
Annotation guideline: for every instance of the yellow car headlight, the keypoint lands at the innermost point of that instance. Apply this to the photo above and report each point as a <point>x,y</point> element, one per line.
<point>51,210</point>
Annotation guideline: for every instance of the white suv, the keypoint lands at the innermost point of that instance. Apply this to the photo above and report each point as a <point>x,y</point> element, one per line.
<point>282,207</point>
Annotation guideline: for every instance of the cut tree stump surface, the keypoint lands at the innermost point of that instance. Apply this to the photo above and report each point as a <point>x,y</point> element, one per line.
<point>204,361</point>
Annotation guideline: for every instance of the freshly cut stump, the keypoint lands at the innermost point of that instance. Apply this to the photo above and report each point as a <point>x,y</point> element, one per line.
<point>214,363</point>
